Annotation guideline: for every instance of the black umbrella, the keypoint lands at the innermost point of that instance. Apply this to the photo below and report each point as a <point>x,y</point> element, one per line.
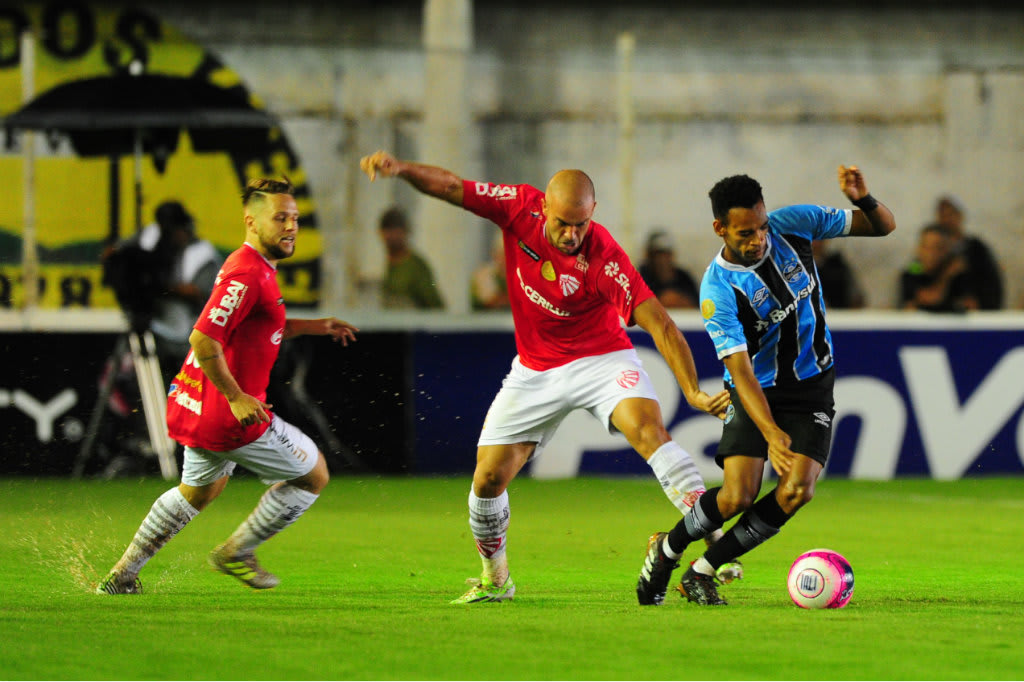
<point>144,114</point>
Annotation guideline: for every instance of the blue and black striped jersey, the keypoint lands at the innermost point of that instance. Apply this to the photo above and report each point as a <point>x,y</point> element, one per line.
<point>774,309</point>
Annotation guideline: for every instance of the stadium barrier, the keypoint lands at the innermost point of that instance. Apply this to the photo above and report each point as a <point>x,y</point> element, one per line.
<point>937,396</point>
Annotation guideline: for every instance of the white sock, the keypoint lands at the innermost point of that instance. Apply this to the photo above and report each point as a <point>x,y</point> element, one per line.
<point>678,475</point>
<point>701,565</point>
<point>279,507</point>
<point>166,517</point>
<point>489,521</point>
<point>667,550</point>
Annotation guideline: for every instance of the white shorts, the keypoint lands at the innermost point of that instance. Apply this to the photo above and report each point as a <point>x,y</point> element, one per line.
<point>531,404</point>
<point>282,453</point>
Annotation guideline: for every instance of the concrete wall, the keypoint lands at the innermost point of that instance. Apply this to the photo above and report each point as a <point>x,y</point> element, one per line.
<point>925,101</point>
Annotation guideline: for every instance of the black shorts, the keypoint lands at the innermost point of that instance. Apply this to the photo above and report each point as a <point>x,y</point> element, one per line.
<point>805,411</point>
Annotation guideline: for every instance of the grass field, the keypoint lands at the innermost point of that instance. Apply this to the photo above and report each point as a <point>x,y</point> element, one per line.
<point>368,572</point>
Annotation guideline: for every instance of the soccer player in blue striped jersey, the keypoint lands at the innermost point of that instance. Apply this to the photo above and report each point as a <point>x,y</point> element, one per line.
<point>763,307</point>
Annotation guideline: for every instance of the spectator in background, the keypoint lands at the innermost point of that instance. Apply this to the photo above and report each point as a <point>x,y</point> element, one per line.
<point>192,271</point>
<point>488,288</point>
<point>670,283</point>
<point>409,281</point>
<point>984,279</point>
<point>839,284</point>
<point>937,279</point>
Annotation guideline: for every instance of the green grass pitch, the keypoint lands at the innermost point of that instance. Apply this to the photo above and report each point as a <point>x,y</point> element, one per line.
<point>367,575</point>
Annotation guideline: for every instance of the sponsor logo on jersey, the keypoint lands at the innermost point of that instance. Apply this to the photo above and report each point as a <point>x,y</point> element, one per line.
<point>548,271</point>
<point>185,379</point>
<point>228,303</point>
<point>570,285</point>
<point>780,314</point>
<point>529,252</point>
<point>628,378</point>
<point>500,192</point>
<point>535,297</point>
<point>612,269</point>
<point>189,403</point>
<point>707,308</point>
<point>276,337</point>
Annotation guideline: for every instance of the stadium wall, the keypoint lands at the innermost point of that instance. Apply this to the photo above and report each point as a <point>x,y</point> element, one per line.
<point>925,97</point>
<point>916,396</point>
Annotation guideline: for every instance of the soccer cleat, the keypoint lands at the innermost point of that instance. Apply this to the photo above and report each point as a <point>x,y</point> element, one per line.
<point>726,573</point>
<point>656,572</point>
<point>700,588</point>
<point>484,591</point>
<point>115,584</point>
<point>244,567</point>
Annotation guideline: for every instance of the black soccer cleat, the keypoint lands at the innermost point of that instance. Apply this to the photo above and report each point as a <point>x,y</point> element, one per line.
<point>700,588</point>
<point>656,573</point>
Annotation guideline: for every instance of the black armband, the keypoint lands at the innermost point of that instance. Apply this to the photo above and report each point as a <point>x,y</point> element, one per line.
<point>865,203</point>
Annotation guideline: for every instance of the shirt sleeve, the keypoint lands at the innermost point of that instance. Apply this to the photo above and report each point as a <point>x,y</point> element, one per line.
<point>497,203</point>
<point>721,318</point>
<point>233,296</point>
<point>619,282</point>
<point>811,221</point>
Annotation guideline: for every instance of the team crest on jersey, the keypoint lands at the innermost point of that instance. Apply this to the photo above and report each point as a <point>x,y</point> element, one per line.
<point>570,285</point>
<point>791,271</point>
<point>548,271</point>
<point>628,378</point>
<point>707,308</point>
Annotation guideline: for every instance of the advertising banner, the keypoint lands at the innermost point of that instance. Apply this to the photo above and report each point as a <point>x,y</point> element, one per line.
<point>935,402</point>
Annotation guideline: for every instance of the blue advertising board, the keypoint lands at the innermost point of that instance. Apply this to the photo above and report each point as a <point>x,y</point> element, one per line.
<point>939,401</point>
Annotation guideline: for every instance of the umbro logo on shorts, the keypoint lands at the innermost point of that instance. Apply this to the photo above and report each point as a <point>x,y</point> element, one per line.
<point>822,418</point>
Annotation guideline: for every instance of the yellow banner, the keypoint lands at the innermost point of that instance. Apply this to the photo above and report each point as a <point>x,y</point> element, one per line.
<point>82,202</point>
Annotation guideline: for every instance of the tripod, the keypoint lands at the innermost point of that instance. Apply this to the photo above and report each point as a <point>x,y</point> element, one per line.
<point>147,372</point>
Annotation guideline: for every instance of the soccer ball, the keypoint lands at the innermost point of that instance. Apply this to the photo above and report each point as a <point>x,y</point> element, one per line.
<point>820,579</point>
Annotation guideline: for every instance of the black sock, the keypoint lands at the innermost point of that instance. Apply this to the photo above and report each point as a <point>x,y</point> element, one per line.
<point>758,524</point>
<point>702,519</point>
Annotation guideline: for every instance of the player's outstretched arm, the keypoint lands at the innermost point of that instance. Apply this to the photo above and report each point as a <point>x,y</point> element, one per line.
<point>874,219</point>
<point>655,320</point>
<point>339,330</point>
<point>431,180</point>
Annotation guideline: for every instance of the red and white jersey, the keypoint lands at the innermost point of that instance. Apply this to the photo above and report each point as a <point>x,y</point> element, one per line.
<point>246,315</point>
<point>564,307</point>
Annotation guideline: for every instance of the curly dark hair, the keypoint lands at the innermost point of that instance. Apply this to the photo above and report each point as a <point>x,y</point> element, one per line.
<point>735,191</point>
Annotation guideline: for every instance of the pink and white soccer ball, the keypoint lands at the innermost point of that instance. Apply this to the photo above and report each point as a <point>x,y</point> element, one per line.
<point>820,579</point>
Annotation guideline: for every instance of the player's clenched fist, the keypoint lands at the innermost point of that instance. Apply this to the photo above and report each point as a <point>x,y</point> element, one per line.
<point>379,162</point>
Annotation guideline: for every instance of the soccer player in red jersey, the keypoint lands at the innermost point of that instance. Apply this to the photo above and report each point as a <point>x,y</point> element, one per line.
<point>217,408</point>
<point>570,287</point>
